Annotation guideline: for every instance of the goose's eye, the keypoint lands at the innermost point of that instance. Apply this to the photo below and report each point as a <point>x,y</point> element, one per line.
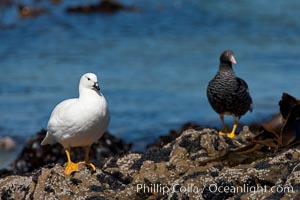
<point>88,79</point>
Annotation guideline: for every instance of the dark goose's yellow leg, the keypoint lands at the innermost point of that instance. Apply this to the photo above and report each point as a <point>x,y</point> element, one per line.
<point>224,129</point>
<point>235,123</point>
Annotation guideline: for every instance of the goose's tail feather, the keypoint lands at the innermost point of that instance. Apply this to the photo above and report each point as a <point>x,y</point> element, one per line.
<point>49,139</point>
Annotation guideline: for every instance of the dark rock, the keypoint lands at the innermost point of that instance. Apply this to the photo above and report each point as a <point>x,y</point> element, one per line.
<point>75,181</point>
<point>289,156</point>
<point>49,189</point>
<point>262,165</point>
<point>174,197</point>
<point>214,174</point>
<point>96,188</point>
<point>275,196</point>
<point>191,146</point>
<point>218,166</point>
<point>35,176</point>
<point>171,167</point>
<point>250,182</point>
<point>194,157</point>
<point>34,155</point>
<point>113,182</point>
<point>185,196</point>
<point>112,163</point>
<point>154,154</point>
<point>104,6</point>
<point>7,143</point>
<point>6,194</point>
<point>173,134</point>
<point>5,172</point>
<point>95,198</point>
<point>29,12</point>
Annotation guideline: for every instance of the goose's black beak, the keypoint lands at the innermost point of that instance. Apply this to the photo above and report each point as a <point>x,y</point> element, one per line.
<point>96,86</point>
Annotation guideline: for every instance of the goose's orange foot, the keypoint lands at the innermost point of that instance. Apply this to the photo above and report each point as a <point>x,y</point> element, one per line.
<point>71,167</point>
<point>90,164</point>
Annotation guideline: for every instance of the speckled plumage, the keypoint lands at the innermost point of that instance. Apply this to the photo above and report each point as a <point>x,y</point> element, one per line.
<point>227,93</point>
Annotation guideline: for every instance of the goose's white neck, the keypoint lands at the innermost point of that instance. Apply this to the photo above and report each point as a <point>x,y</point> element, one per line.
<point>86,93</point>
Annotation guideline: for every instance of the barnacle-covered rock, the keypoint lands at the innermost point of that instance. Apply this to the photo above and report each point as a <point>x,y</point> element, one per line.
<point>198,164</point>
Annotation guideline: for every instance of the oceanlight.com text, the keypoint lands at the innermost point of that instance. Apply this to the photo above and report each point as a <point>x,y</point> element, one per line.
<point>214,188</point>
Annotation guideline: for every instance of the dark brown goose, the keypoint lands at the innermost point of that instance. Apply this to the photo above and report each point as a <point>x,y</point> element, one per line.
<point>228,94</point>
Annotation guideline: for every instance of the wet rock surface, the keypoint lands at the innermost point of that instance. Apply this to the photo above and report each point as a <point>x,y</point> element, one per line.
<point>198,164</point>
<point>103,6</point>
<point>7,143</point>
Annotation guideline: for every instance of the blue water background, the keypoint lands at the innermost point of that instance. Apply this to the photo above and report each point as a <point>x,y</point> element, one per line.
<point>153,65</point>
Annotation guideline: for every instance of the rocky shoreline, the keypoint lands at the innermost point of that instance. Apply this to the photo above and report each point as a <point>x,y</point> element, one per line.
<point>198,164</point>
<point>191,163</point>
<point>34,156</point>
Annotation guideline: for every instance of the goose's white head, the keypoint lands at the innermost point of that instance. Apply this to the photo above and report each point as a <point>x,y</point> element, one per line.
<point>89,81</point>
